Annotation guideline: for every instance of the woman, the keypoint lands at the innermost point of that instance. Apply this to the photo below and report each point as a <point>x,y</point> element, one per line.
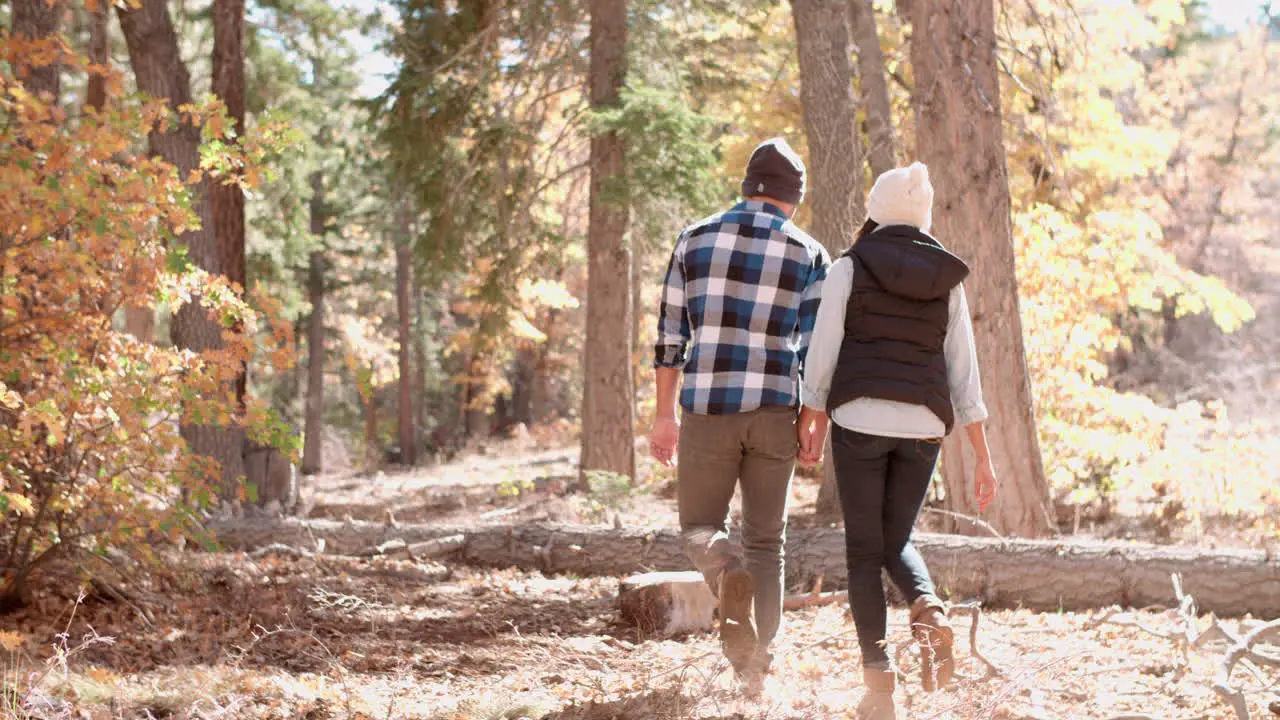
<point>892,360</point>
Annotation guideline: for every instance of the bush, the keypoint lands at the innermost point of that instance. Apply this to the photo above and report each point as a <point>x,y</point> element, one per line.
<point>92,466</point>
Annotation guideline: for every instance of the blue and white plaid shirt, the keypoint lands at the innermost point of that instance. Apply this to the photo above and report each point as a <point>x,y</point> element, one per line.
<point>741,296</point>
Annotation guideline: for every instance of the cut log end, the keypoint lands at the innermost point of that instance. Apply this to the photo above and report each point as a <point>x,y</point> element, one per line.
<point>667,603</point>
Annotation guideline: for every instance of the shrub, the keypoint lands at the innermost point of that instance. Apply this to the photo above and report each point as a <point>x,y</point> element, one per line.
<point>92,466</point>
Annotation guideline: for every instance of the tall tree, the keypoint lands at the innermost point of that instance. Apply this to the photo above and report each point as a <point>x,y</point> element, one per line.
<point>835,156</point>
<point>608,415</point>
<point>38,20</point>
<point>312,455</point>
<point>874,86</point>
<point>160,72</point>
<point>228,199</point>
<point>139,321</point>
<point>959,135</point>
<point>408,435</point>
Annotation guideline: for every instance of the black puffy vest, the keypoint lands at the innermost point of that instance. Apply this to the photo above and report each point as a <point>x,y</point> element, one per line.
<point>896,321</point>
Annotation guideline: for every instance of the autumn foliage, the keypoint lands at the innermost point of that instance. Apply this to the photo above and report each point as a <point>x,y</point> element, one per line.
<point>92,466</point>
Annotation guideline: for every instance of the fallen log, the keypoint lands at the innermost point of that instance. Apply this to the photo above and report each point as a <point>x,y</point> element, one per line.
<point>1062,574</point>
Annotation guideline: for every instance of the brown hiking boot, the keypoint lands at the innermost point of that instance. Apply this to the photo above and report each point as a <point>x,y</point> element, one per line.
<point>737,628</point>
<point>933,633</point>
<point>878,703</point>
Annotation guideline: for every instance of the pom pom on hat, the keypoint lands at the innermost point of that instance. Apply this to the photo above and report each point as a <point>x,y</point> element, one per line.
<point>902,196</point>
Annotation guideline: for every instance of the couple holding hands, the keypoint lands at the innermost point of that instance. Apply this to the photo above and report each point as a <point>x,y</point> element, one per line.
<point>877,348</point>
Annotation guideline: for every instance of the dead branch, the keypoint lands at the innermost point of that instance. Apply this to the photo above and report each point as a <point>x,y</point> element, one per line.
<point>281,549</point>
<point>974,611</point>
<point>808,600</point>
<point>420,550</point>
<point>1241,650</point>
<point>1153,717</point>
<point>814,598</point>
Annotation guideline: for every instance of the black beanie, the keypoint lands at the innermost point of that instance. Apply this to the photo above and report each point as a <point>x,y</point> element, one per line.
<point>776,171</point>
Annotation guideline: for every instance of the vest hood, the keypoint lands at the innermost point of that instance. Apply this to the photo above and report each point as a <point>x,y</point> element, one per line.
<point>909,263</point>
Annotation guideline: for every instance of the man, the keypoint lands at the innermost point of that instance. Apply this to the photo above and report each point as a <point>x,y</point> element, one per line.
<point>741,295</point>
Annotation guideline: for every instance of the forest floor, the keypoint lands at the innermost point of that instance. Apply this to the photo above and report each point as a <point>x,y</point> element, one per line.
<point>224,635</point>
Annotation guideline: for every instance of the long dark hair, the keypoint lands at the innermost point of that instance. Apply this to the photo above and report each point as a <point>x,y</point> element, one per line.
<point>867,228</point>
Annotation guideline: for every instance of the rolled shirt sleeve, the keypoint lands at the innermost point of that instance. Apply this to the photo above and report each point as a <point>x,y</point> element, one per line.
<point>827,335</point>
<point>674,335</point>
<point>962,363</point>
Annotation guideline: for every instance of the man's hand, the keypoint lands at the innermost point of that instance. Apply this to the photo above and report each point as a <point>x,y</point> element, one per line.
<point>984,482</point>
<point>664,440</point>
<point>811,436</point>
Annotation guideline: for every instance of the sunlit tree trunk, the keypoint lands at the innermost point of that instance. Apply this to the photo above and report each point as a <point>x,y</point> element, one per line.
<point>835,156</point>
<point>160,72</point>
<point>959,135</point>
<point>608,416</point>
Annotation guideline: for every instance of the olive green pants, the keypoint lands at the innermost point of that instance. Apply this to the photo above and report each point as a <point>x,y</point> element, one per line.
<point>756,449</point>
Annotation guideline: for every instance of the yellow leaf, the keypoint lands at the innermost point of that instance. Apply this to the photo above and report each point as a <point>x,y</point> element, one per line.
<point>20,504</point>
<point>10,641</point>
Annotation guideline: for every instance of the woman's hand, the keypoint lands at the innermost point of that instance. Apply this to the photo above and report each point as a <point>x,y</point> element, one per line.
<point>811,436</point>
<point>985,483</point>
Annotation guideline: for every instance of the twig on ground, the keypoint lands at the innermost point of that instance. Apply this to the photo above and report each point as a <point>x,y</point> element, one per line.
<point>1239,651</point>
<point>1188,636</point>
<point>974,611</point>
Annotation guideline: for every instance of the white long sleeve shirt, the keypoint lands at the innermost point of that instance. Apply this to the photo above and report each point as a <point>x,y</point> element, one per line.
<point>889,418</point>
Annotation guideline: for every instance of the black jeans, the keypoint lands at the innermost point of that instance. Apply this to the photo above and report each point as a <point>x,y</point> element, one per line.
<point>883,482</point>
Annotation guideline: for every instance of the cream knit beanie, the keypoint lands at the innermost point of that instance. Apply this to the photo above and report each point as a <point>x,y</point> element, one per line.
<point>903,196</point>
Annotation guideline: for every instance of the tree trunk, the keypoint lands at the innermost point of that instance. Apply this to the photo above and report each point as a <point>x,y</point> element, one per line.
<point>835,155</point>
<point>37,20</point>
<point>420,362</point>
<point>228,199</point>
<point>99,54</point>
<point>371,450</point>
<point>881,144</point>
<point>404,309</point>
<point>161,73</point>
<point>1048,575</point>
<point>608,415</point>
<point>139,321</point>
<point>313,440</point>
<point>959,136</point>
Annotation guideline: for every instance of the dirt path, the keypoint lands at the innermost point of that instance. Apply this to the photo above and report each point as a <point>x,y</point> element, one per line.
<point>243,638</point>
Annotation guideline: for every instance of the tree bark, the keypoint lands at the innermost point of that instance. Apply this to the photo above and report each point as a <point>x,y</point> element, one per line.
<point>1048,575</point>
<point>959,136</point>
<point>313,441</point>
<point>38,20</point>
<point>99,54</point>
<point>407,434</point>
<point>608,415</point>
<point>228,200</point>
<point>139,321</point>
<point>835,156</point>
<point>874,86</point>
<point>161,73</point>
